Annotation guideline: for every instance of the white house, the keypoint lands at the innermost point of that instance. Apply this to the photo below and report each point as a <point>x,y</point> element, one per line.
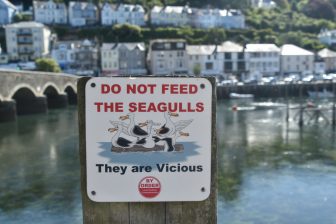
<point>262,60</point>
<point>200,18</point>
<point>27,40</point>
<point>329,57</point>
<point>122,13</point>
<point>210,18</point>
<point>123,59</point>
<point>109,59</point>
<point>82,13</point>
<point>7,11</point>
<point>232,59</point>
<point>64,53</point>
<point>327,37</point>
<point>203,58</point>
<point>167,56</point>
<point>50,12</point>
<point>170,15</point>
<point>296,60</point>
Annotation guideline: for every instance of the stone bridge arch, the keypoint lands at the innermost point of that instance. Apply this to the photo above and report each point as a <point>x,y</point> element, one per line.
<point>21,86</point>
<point>71,90</point>
<point>28,92</point>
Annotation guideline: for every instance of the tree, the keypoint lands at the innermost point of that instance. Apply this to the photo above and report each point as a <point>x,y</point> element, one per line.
<point>197,69</point>
<point>320,9</point>
<point>47,65</point>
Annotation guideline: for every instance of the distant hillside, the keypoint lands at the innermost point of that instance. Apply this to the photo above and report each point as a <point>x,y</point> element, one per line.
<point>293,21</point>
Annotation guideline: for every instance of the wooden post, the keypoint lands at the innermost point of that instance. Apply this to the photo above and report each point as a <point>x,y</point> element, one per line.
<point>301,108</point>
<point>148,212</point>
<point>334,106</point>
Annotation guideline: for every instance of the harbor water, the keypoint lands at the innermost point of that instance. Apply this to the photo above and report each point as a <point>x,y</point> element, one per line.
<point>270,171</point>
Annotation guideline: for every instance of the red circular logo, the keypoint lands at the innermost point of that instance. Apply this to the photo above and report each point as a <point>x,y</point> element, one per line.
<point>149,187</point>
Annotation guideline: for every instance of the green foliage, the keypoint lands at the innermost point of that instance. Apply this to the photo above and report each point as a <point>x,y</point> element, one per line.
<point>197,69</point>
<point>47,65</point>
<point>18,17</point>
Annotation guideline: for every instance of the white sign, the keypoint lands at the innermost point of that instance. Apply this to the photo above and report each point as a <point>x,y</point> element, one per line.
<point>148,139</point>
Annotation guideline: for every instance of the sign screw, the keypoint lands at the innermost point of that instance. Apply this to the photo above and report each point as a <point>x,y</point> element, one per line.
<point>203,189</point>
<point>93,192</point>
<point>202,86</point>
<point>93,85</point>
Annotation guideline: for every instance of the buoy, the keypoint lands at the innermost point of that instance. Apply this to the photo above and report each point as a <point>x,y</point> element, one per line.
<point>235,107</point>
<point>310,104</point>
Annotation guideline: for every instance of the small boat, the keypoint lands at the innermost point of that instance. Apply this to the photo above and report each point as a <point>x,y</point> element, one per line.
<point>268,105</point>
<point>320,94</point>
<point>241,96</point>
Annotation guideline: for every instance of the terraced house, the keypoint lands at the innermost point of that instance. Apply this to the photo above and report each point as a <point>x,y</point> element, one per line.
<point>50,12</point>
<point>122,13</point>
<point>123,59</point>
<point>83,13</point>
<point>7,11</point>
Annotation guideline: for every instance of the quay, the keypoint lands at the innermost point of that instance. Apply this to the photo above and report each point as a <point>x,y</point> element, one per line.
<point>275,91</point>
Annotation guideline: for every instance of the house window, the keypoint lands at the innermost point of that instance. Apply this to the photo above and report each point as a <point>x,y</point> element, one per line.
<point>241,66</point>
<point>228,66</point>
<point>240,55</point>
<point>209,66</point>
<point>209,57</point>
<point>227,56</point>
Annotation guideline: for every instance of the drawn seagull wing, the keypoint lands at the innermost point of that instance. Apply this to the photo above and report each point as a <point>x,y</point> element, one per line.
<point>180,125</point>
<point>123,124</point>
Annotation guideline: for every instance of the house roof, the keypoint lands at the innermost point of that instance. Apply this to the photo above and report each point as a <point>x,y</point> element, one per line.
<point>167,40</point>
<point>261,48</point>
<point>8,4</point>
<point>172,9</point>
<point>30,24</point>
<point>326,53</point>
<point>40,4</point>
<point>129,46</point>
<point>290,49</point>
<point>201,49</point>
<point>229,46</point>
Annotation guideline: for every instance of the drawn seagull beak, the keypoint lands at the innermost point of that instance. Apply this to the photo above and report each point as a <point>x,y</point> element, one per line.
<point>123,117</point>
<point>112,129</point>
<point>173,114</point>
<point>184,134</point>
<point>143,124</point>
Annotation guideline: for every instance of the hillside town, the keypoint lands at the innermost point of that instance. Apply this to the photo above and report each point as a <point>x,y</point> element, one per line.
<point>232,62</point>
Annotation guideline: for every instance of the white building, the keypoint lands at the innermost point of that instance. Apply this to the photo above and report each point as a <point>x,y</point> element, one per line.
<point>27,40</point>
<point>7,11</point>
<point>210,18</point>
<point>203,58</point>
<point>109,59</point>
<point>63,53</point>
<point>262,60</point>
<point>82,13</point>
<point>296,60</point>
<point>50,12</point>
<point>327,37</point>
<point>167,57</point>
<point>123,59</point>
<point>122,13</point>
<point>200,18</point>
<point>170,15</point>
<point>329,57</point>
<point>232,59</point>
